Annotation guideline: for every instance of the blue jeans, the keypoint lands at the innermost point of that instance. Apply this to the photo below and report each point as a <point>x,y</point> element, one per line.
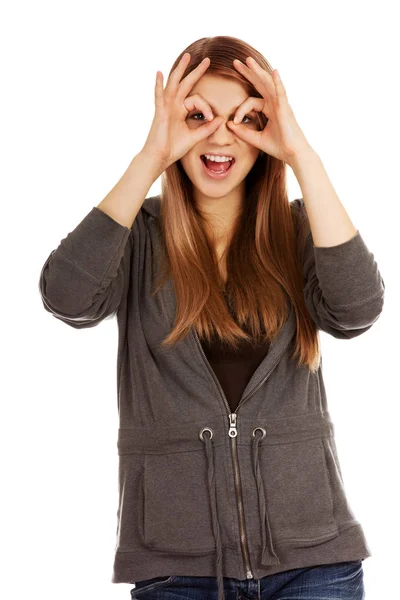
<point>336,581</point>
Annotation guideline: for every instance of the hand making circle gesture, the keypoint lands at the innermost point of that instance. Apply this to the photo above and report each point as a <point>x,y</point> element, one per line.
<point>170,138</point>
<point>282,136</point>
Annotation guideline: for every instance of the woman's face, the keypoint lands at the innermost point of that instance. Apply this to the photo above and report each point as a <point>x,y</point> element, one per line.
<point>224,97</point>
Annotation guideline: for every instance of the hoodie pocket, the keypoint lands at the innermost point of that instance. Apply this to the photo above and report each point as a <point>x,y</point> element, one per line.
<point>176,503</point>
<point>298,492</point>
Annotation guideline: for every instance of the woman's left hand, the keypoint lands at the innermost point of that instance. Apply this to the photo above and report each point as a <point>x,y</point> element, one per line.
<point>282,136</point>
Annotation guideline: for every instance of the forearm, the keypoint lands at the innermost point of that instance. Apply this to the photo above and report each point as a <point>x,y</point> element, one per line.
<point>329,222</point>
<point>123,202</point>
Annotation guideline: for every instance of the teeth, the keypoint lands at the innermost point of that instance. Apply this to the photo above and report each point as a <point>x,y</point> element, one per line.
<point>218,158</point>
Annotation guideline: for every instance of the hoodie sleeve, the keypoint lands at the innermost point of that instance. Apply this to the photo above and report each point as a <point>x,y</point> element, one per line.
<point>343,288</point>
<point>83,280</point>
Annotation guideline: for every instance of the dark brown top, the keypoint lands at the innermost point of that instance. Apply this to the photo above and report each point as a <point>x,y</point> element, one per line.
<point>234,368</point>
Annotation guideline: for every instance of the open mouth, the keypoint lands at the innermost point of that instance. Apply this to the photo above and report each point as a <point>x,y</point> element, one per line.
<point>217,170</point>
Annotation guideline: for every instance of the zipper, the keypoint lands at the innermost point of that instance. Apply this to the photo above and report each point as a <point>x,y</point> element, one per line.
<point>233,434</point>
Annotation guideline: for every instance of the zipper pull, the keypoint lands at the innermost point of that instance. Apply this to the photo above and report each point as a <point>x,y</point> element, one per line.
<point>232,425</point>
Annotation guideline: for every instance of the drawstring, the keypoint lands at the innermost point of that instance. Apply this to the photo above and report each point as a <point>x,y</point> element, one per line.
<point>213,498</point>
<point>268,557</point>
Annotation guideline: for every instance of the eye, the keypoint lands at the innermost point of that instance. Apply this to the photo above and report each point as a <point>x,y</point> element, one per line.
<point>198,114</point>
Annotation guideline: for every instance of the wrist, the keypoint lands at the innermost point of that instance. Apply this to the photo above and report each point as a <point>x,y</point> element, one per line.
<point>302,156</point>
<point>153,163</point>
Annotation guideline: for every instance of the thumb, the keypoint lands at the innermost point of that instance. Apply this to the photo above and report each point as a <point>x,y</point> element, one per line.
<point>242,132</point>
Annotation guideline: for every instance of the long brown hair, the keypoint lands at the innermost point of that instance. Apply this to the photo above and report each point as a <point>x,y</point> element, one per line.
<point>262,259</point>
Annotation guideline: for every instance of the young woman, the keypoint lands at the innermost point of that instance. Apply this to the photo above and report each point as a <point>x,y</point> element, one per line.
<point>229,477</point>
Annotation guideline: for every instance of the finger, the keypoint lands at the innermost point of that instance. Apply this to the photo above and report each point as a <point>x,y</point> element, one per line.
<point>248,105</point>
<point>280,89</point>
<point>188,82</point>
<point>176,75</point>
<point>158,90</point>
<point>257,75</point>
<point>197,102</point>
<point>205,130</point>
<point>248,135</point>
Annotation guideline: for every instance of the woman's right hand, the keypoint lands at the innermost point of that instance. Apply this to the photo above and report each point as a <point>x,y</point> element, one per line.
<point>170,138</point>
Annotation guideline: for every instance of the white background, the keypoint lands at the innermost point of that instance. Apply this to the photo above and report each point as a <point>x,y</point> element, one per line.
<point>77,103</point>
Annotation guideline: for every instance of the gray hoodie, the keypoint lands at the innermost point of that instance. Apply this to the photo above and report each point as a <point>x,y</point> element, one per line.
<point>203,491</point>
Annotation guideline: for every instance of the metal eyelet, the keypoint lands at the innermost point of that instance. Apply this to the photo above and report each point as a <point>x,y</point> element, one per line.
<point>264,433</point>
<point>205,429</point>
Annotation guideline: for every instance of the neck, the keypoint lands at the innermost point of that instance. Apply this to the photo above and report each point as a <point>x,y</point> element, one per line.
<point>220,214</point>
